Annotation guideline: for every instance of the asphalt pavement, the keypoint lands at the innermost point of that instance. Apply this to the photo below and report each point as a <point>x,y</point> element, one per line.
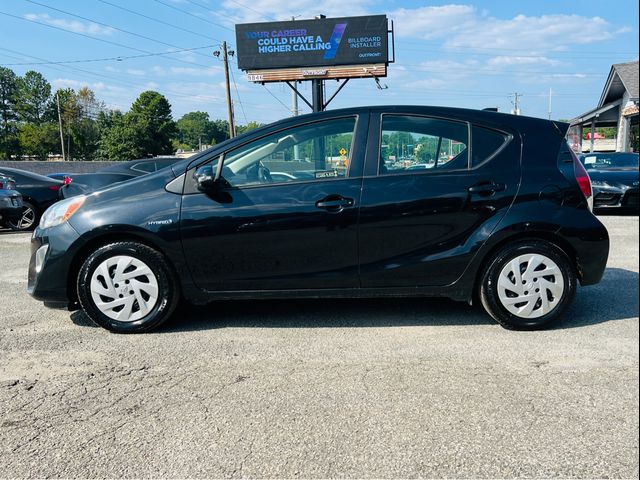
<point>323,388</point>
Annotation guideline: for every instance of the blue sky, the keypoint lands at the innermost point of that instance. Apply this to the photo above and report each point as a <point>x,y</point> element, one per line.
<point>467,54</point>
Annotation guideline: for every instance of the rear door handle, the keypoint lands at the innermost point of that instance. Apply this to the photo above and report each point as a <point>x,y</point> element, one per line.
<point>486,188</point>
<point>334,203</point>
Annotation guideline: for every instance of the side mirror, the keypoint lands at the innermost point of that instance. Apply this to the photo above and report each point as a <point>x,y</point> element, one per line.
<point>205,178</point>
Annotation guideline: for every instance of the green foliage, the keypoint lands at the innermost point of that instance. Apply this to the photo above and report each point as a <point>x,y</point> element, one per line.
<point>150,117</point>
<point>39,140</point>
<point>195,128</point>
<point>9,144</point>
<point>240,129</point>
<point>146,130</point>
<point>34,97</point>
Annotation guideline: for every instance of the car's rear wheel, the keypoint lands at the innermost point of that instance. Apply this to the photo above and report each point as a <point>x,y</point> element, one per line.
<point>528,285</point>
<point>27,221</point>
<point>127,287</point>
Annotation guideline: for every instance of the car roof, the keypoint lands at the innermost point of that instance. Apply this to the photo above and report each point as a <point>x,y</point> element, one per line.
<point>25,173</point>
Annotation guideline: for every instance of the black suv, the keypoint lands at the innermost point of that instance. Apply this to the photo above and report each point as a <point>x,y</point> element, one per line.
<point>361,202</point>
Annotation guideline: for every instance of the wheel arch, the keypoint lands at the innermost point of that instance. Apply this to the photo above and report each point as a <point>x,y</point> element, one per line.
<point>101,240</point>
<point>547,236</point>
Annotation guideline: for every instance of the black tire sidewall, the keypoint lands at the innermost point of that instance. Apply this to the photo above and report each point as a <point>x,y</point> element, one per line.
<point>489,290</point>
<point>167,287</point>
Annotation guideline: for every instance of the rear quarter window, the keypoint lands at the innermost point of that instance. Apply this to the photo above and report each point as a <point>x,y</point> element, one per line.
<point>485,143</point>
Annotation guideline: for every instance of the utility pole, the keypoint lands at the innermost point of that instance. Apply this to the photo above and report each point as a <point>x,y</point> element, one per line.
<point>225,59</point>
<point>516,103</point>
<point>549,103</point>
<point>60,123</point>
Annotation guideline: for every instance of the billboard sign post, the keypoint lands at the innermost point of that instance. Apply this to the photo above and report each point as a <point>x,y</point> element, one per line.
<point>316,50</point>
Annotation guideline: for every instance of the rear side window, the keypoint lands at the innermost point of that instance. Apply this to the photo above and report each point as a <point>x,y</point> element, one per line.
<point>422,144</point>
<point>486,143</point>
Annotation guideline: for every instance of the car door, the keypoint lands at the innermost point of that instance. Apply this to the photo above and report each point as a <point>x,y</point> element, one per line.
<point>433,189</point>
<point>296,229</point>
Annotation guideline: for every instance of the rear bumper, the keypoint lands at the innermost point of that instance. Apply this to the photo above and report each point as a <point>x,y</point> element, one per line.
<point>10,207</point>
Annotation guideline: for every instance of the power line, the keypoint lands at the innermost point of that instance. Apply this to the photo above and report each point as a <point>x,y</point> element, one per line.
<point>162,22</point>
<point>235,86</point>
<point>107,25</point>
<point>108,77</point>
<point>269,17</point>
<point>192,15</point>
<point>96,39</point>
<point>279,101</point>
<point>208,10</point>
<point>117,59</point>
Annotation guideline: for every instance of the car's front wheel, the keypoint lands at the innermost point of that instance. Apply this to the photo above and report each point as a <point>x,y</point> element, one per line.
<point>127,287</point>
<point>528,285</point>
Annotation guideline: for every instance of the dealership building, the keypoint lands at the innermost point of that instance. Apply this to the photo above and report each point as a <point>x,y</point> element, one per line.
<point>618,107</point>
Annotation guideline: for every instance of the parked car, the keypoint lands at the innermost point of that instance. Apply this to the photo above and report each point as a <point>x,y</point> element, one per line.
<point>506,220</point>
<point>614,177</point>
<point>84,183</point>
<point>38,194</point>
<point>10,201</point>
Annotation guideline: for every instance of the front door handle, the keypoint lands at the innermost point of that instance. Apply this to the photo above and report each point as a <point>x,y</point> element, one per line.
<point>487,188</point>
<point>334,203</point>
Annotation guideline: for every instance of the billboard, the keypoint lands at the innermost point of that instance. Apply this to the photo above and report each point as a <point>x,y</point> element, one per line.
<point>312,43</point>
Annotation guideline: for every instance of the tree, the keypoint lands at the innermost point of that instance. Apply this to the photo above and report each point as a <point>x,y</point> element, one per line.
<point>34,97</point>
<point>150,116</point>
<point>195,128</point>
<point>8,128</point>
<point>39,140</point>
<point>220,132</point>
<point>118,137</point>
<point>252,125</point>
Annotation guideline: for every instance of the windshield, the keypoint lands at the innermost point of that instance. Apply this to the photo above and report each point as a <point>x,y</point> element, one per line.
<point>598,161</point>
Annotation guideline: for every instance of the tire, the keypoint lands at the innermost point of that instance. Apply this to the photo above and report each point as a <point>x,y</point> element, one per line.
<point>127,287</point>
<point>29,219</point>
<point>517,293</point>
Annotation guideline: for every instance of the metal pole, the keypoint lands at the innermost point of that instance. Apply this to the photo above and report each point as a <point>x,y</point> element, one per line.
<point>549,103</point>
<point>593,134</point>
<point>60,123</point>
<point>317,94</point>
<point>225,58</point>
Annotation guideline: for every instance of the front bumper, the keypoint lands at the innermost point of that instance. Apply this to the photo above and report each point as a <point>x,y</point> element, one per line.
<point>52,251</point>
<point>616,199</point>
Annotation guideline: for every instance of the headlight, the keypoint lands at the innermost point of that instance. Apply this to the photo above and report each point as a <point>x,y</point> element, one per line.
<point>61,212</point>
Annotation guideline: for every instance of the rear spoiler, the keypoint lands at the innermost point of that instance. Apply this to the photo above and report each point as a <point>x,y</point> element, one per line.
<point>561,127</point>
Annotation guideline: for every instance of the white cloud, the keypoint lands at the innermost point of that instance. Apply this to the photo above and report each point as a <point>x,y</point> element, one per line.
<point>464,27</point>
<point>88,28</point>
<point>508,60</point>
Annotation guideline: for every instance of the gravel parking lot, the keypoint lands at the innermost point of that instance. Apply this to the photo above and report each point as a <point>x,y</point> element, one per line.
<point>388,388</point>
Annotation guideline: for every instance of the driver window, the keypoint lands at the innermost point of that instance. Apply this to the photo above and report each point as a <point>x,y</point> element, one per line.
<point>320,150</point>
<point>421,144</point>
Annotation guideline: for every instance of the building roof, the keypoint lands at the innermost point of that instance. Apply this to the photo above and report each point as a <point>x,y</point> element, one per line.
<point>622,77</point>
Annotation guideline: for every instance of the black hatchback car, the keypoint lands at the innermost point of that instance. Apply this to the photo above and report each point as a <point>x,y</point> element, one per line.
<point>501,215</point>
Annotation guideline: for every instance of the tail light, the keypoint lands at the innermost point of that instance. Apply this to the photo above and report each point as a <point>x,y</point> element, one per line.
<point>582,177</point>
<point>55,188</point>
<point>66,181</point>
